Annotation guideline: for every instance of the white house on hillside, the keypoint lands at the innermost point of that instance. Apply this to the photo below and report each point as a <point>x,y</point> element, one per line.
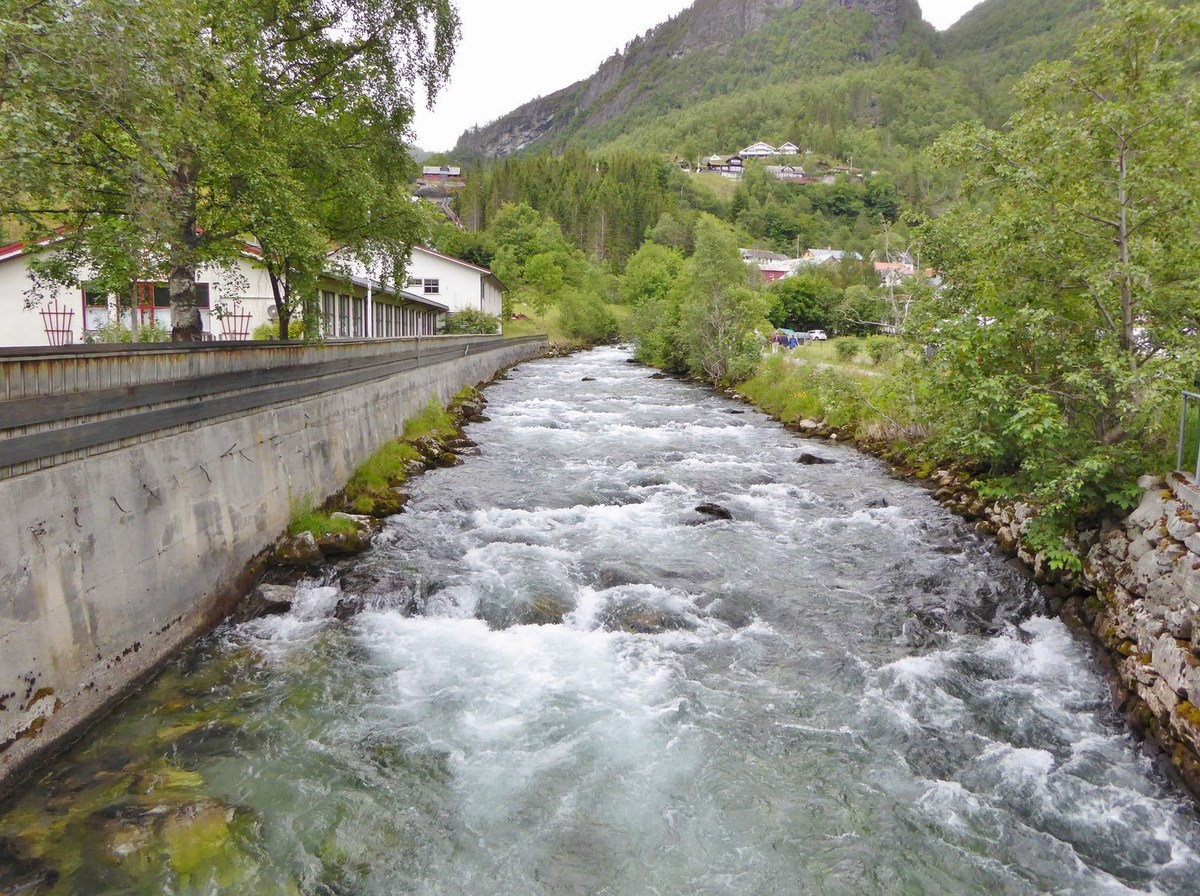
<point>758,150</point>
<point>455,283</point>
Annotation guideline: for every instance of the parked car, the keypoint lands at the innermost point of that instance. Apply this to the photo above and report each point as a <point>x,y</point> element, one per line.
<point>818,335</point>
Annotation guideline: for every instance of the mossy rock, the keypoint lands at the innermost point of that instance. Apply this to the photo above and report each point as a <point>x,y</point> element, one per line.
<point>298,550</point>
<point>340,544</point>
<point>379,504</point>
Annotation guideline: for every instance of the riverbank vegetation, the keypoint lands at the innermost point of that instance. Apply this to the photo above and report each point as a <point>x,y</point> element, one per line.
<point>1048,355</point>
<point>1050,327</point>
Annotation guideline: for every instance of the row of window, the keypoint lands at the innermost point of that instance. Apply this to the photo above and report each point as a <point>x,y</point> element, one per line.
<point>344,316</point>
<point>148,295</point>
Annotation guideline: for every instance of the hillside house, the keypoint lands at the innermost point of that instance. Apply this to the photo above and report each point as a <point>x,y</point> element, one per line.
<point>793,174</point>
<point>729,166</point>
<point>759,150</point>
<point>827,256</point>
<point>778,270</point>
<point>788,149</point>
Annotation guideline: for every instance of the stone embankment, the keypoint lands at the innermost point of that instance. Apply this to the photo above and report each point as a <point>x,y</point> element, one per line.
<point>1136,597</point>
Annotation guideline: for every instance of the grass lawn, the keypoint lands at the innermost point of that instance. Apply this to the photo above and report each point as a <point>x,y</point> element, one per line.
<point>827,353</point>
<point>551,324</point>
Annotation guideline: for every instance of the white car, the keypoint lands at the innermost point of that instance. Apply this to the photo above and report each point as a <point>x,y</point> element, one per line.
<point>818,335</point>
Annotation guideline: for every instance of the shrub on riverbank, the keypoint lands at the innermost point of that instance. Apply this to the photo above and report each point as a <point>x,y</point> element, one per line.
<point>371,488</point>
<point>308,518</point>
<point>865,405</point>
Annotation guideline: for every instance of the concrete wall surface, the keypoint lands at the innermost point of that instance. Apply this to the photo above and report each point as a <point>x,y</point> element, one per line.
<point>112,561</point>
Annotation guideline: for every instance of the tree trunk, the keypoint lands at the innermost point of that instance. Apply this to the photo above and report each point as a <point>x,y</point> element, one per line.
<point>186,325</point>
<point>283,308</point>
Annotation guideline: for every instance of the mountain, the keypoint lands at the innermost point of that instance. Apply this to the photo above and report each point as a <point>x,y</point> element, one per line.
<point>711,48</point>
<point>725,73</point>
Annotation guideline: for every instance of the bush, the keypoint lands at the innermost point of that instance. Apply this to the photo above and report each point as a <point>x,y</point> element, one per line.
<point>881,348</point>
<point>270,331</point>
<point>585,317</point>
<point>471,320</point>
<point>114,331</point>
<point>306,517</point>
<point>847,349</point>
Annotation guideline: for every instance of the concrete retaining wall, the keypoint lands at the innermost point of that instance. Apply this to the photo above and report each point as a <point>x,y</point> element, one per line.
<point>112,561</point>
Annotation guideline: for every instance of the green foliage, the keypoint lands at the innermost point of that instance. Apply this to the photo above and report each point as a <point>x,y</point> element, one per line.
<point>1068,326</point>
<point>471,320</point>
<point>373,481</point>
<point>804,301</point>
<point>270,330</point>
<point>433,420</point>
<point>847,349</point>
<point>113,331</point>
<point>881,348</point>
<point>650,274</point>
<point>711,323</point>
<point>307,518</point>
<point>586,318</point>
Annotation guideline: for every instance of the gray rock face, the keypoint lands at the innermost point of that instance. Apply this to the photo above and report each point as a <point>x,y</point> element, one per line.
<point>709,27</point>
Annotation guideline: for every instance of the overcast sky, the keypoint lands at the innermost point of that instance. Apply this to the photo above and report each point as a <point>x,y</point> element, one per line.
<point>512,52</point>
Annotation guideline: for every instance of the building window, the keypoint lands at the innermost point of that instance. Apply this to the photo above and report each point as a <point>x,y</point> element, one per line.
<point>432,287</point>
<point>158,295</point>
<point>328,313</point>
<point>343,315</point>
<point>94,296</point>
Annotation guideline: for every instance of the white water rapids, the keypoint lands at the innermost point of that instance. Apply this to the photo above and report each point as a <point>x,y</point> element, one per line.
<point>839,690</point>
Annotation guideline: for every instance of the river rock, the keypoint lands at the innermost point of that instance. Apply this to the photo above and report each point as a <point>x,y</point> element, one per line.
<point>714,510</point>
<point>1177,665</point>
<point>1139,547</point>
<point>588,379</point>
<point>336,544</point>
<point>1150,511</point>
<point>448,459</point>
<point>807,458</point>
<point>1186,720</point>
<point>298,550</point>
<point>429,448</point>
<point>1181,523</point>
<point>348,607</point>
<point>1115,543</point>
<point>546,609</point>
<point>265,600</point>
<point>1161,698</point>
<point>20,872</point>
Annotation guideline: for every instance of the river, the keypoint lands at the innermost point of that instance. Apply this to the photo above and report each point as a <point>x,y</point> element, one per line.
<point>565,679</point>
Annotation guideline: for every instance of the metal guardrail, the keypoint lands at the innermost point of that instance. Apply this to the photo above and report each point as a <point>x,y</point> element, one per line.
<point>1183,433</point>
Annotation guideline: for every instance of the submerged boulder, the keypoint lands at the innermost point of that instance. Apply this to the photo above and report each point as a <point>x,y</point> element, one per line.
<point>716,511</point>
<point>807,458</point>
<point>265,600</point>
